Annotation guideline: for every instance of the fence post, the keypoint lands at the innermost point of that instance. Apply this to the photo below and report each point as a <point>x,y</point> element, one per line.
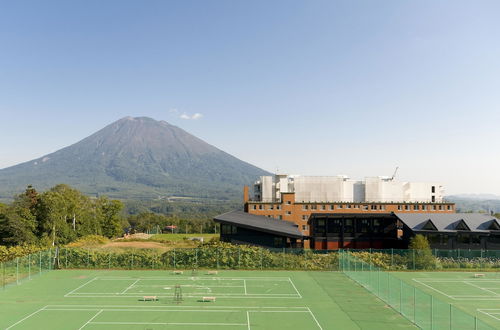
<point>17,270</point>
<point>392,258</point>
<point>401,296</point>
<point>414,305</point>
<point>451,319</point>
<point>432,312</point>
<point>29,266</point>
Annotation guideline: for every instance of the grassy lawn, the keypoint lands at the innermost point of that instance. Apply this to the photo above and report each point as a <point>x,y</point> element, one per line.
<point>182,237</point>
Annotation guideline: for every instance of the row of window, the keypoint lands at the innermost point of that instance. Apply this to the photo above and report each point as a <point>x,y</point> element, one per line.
<point>370,207</point>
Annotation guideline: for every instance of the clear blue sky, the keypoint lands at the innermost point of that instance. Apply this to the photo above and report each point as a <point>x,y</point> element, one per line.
<point>308,87</point>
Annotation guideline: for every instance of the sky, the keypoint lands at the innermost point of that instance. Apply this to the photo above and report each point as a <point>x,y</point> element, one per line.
<point>320,87</point>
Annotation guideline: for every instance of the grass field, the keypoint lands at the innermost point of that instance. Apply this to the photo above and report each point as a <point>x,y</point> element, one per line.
<point>181,237</point>
<point>478,296</point>
<point>87,299</point>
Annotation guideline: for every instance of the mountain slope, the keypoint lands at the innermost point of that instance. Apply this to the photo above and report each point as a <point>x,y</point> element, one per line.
<point>136,158</point>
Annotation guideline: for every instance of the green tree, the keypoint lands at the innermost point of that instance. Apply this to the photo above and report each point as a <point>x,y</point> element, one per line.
<point>18,223</point>
<point>421,257</point>
<point>109,215</point>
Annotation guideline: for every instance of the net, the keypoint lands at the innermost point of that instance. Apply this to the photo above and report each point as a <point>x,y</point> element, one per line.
<point>425,310</point>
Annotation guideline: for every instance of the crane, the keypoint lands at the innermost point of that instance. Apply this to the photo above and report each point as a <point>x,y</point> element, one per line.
<point>394,174</point>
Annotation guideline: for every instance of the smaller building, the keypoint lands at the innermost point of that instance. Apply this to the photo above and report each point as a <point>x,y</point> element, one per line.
<point>239,227</point>
<point>473,231</point>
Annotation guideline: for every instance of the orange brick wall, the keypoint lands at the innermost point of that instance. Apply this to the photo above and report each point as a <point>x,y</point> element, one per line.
<point>295,212</point>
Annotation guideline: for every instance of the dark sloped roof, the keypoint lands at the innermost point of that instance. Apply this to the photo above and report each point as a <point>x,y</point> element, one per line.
<point>477,222</point>
<point>260,223</point>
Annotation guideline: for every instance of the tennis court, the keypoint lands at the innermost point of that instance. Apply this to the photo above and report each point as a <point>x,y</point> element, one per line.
<point>474,292</point>
<point>104,299</point>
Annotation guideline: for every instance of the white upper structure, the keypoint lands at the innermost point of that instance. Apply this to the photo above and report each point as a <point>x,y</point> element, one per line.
<point>342,189</point>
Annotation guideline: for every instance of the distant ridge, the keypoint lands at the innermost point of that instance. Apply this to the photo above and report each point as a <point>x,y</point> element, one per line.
<point>138,158</point>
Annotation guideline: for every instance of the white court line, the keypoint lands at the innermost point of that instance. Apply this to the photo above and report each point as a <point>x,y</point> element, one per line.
<point>425,279</point>
<point>314,317</point>
<point>93,317</point>
<point>248,320</point>
<point>190,278</point>
<point>187,296</point>
<point>245,286</point>
<point>81,286</point>
<point>97,307</point>
<point>130,287</point>
<point>27,317</point>
<point>489,314</point>
<point>484,289</point>
<point>168,323</point>
<point>218,294</point>
<point>289,279</point>
<point>430,287</point>
<point>143,310</point>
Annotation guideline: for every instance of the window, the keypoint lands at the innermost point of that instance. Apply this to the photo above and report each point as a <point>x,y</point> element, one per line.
<point>475,239</point>
<point>400,207</point>
<point>278,241</point>
<point>305,227</point>
<point>348,226</point>
<point>228,229</point>
<point>348,206</point>
<point>280,217</point>
<point>288,212</point>
<point>305,217</point>
<point>278,207</point>
<point>424,207</point>
<point>363,226</point>
<point>415,207</point>
<point>323,207</point>
<point>271,207</point>
<point>254,207</point>
<point>378,226</point>
<point>382,207</point>
<point>332,207</point>
<point>320,226</point>
<point>433,189</point>
<point>365,207</point>
<point>314,207</point>
<point>434,207</point>
<point>261,207</point>
<point>356,206</point>
<point>340,206</point>
<point>433,199</point>
<point>334,226</point>
<point>373,207</point>
<point>440,207</point>
<point>288,202</point>
<point>305,207</point>
<point>407,207</point>
<point>449,208</point>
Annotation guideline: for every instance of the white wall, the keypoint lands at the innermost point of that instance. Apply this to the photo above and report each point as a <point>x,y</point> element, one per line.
<point>342,189</point>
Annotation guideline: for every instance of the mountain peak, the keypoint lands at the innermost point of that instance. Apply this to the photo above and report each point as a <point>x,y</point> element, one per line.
<point>136,156</point>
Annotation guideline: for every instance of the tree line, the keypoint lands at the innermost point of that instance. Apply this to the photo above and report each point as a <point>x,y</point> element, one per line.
<point>63,214</point>
<point>58,216</point>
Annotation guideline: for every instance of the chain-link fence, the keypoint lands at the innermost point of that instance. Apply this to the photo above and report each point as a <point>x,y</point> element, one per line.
<point>425,310</point>
<point>16,270</point>
<point>237,257</point>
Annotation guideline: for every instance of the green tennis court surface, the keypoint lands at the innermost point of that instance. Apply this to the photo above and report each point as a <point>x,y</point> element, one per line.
<point>86,299</point>
<point>474,292</point>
